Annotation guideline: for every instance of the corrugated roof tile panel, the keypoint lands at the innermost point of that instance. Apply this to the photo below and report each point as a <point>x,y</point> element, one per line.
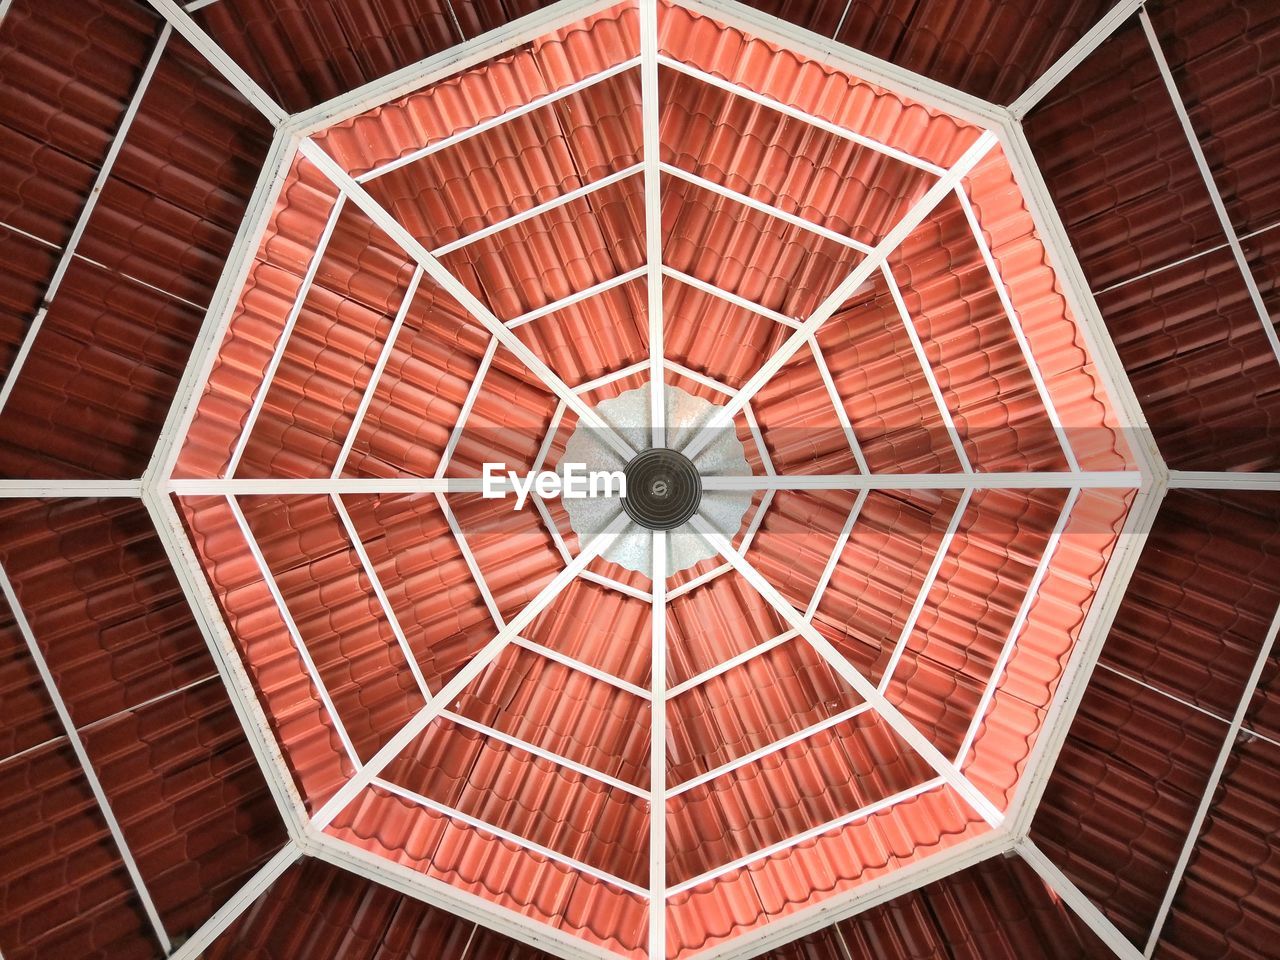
<point>64,890</point>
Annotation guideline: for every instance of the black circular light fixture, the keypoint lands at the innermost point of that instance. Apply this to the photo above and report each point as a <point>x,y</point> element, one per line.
<point>663,489</point>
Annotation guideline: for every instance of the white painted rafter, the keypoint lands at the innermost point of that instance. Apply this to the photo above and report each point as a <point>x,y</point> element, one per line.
<point>86,764</point>
<point>231,71</point>
<point>1049,480</point>
<point>86,211</point>
<point>658,752</point>
<point>1211,185</point>
<point>1211,786</point>
<point>282,342</point>
<point>300,644</point>
<point>498,120</point>
<point>650,119</point>
<point>371,388</point>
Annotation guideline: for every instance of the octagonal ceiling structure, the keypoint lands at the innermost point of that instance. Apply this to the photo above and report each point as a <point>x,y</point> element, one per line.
<point>473,702</point>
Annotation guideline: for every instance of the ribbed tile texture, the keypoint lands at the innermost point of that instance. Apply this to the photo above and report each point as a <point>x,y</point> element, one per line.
<point>158,727</point>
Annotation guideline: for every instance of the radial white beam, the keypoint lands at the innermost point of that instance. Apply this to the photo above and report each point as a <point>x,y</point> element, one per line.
<point>1080,50</point>
<point>456,289</point>
<point>651,119</point>
<point>282,343</point>
<point>1030,480</point>
<point>193,947</point>
<point>1080,904</point>
<point>82,221</point>
<point>837,298</point>
<point>1024,610</point>
<point>474,667</point>
<point>230,70</point>
<point>300,644</point>
<point>926,586</point>
<point>1215,195</point>
<point>371,388</point>
<point>1211,787</point>
<point>658,753</point>
<point>864,688</point>
<point>86,764</point>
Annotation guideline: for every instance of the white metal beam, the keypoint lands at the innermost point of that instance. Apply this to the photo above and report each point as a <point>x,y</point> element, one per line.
<point>837,403</point>
<point>375,377</point>
<point>1029,598</point>
<point>538,210</point>
<point>1080,904</point>
<point>86,764</point>
<point>838,297</point>
<point>926,586</point>
<point>1002,292</point>
<point>282,343</point>
<point>82,221</point>
<point>658,753</point>
<point>1080,50</point>
<point>269,580</point>
<point>767,209</point>
<point>231,71</point>
<point>226,658</point>
<point>462,903</point>
<point>1084,656</point>
<point>1030,480</point>
<point>776,746</point>
<point>1049,227</point>
<point>834,55</point>
<point>650,116</point>
<point>222,308</point>
<point>727,665</point>
<point>926,366</point>
<point>586,294</point>
<point>833,561</point>
<point>195,945</point>
<point>543,754</point>
<point>583,668</point>
<point>468,404</point>
<point>732,298</point>
<point>50,489</point>
<point>813,833</point>
<point>375,582</point>
<point>455,288</point>
<point>1211,787</point>
<point>864,688</point>
<point>474,667</point>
